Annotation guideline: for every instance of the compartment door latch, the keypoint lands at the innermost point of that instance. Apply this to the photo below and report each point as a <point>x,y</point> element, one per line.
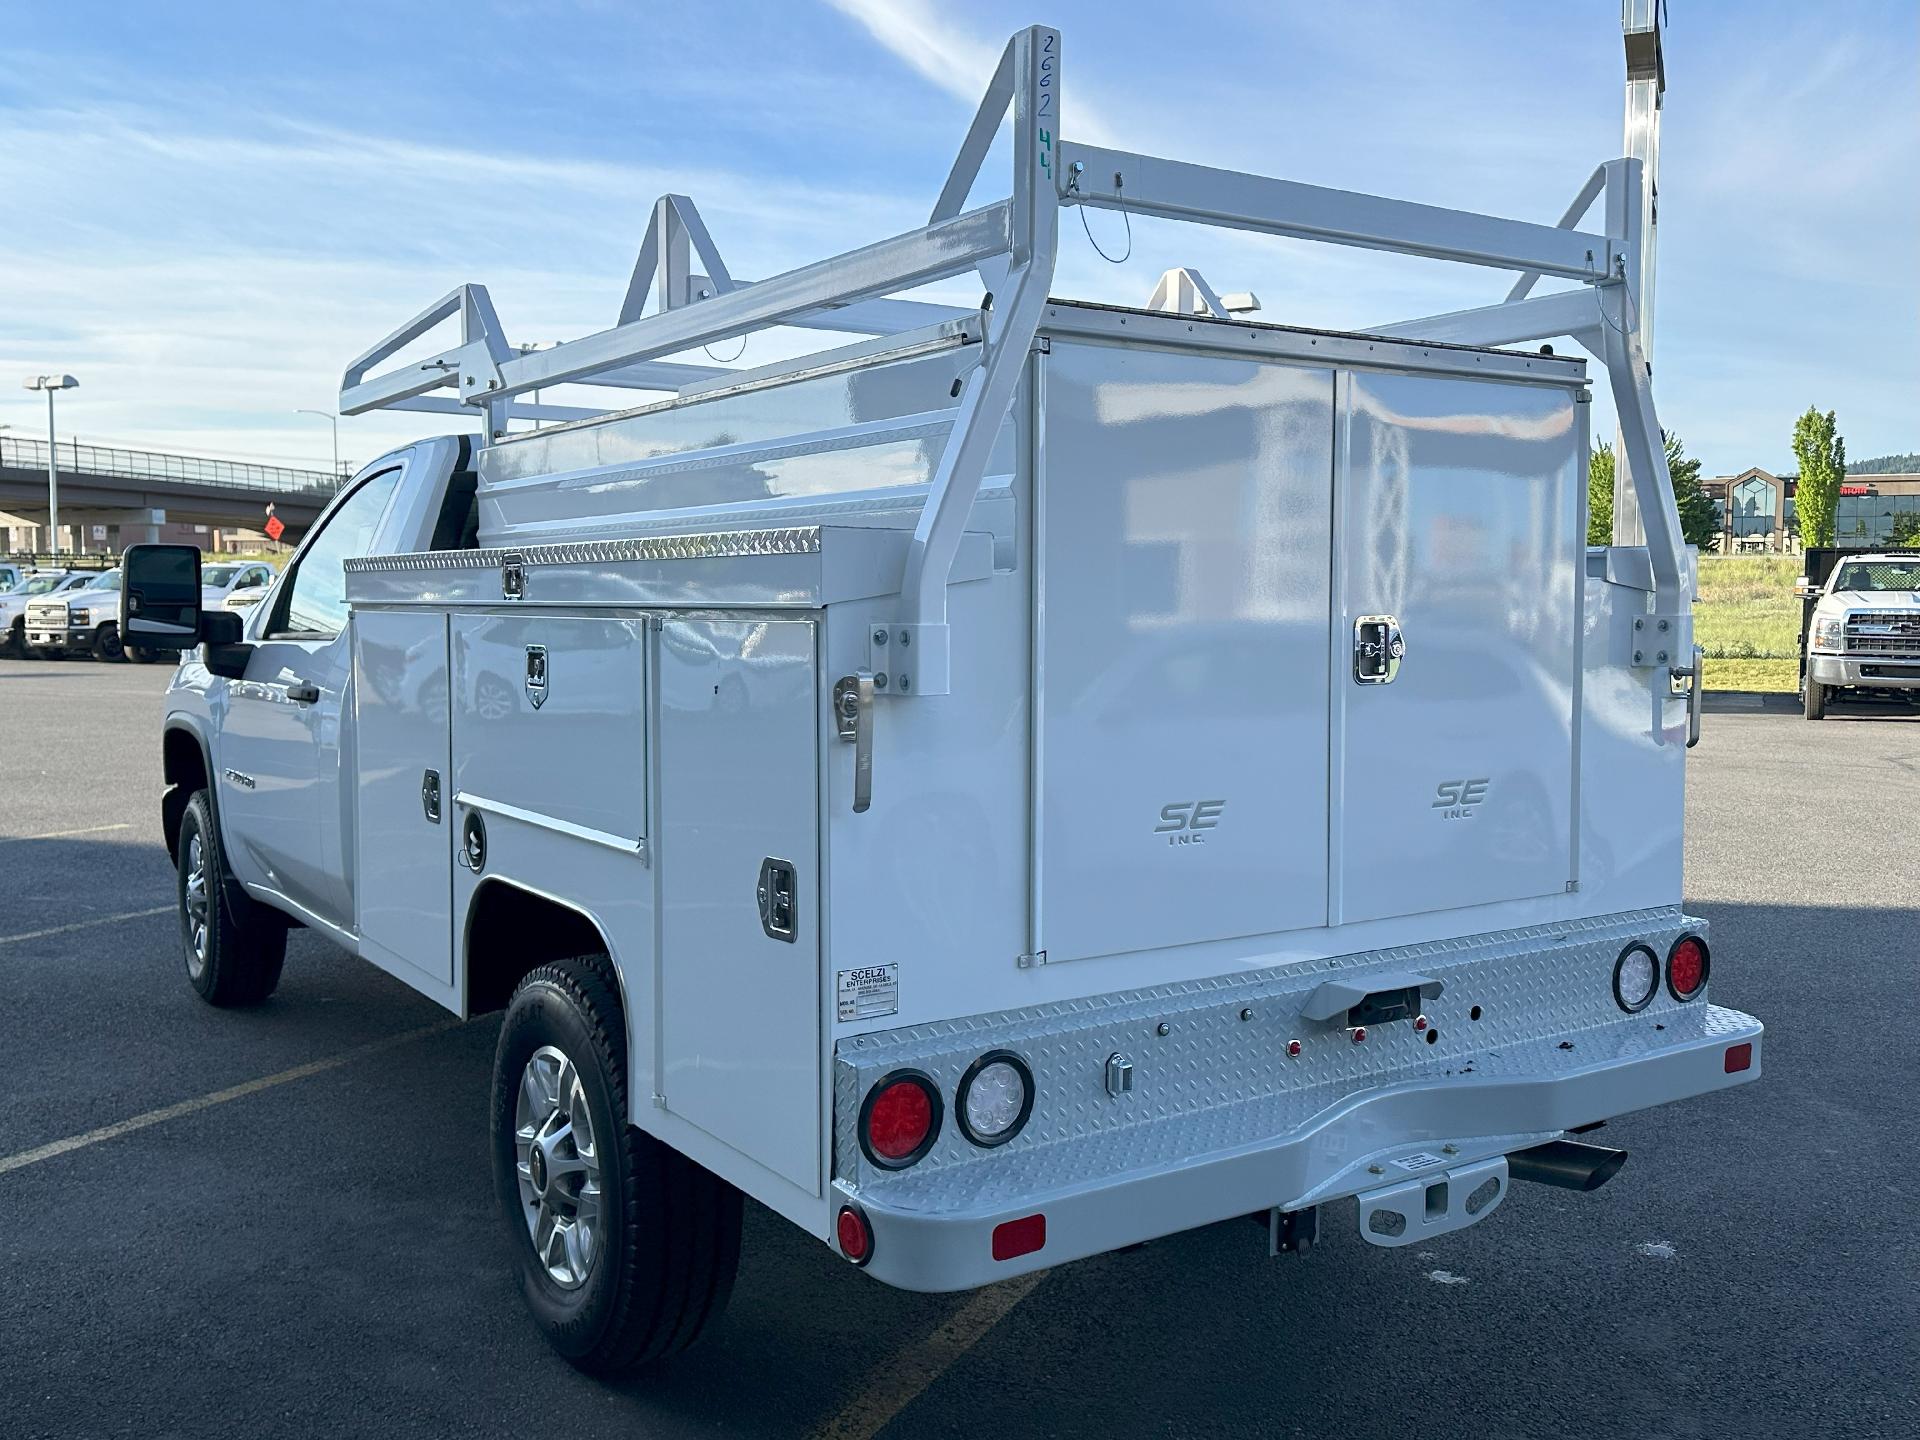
<point>853,715</point>
<point>1377,649</point>
<point>779,901</point>
<point>430,796</point>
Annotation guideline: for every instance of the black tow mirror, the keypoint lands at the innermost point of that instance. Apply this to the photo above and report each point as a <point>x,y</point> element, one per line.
<point>160,597</point>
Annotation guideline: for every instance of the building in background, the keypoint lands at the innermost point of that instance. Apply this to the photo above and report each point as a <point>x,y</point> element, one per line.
<point>1755,511</point>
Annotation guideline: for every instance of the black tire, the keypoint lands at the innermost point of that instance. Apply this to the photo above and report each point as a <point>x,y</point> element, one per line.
<point>1813,700</point>
<point>141,655</point>
<point>245,942</point>
<point>106,643</point>
<point>14,647</point>
<point>669,1231</point>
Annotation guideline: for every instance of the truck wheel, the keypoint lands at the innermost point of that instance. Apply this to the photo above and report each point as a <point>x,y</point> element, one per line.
<point>235,946</point>
<point>1813,702</point>
<point>624,1249</point>
<point>14,647</point>
<point>106,643</point>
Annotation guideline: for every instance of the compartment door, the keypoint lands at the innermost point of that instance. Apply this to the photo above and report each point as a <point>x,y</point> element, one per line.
<point>1183,504</point>
<point>1459,527</point>
<point>740,1036</point>
<point>404,889</point>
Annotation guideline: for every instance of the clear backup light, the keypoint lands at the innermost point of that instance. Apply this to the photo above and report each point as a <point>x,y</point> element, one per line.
<point>1636,976</point>
<point>995,1098</point>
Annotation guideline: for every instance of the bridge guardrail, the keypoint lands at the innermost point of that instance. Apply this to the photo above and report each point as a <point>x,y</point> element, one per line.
<point>74,457</point>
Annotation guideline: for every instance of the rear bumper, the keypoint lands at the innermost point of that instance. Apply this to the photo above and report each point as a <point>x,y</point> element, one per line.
<point>1872,672</point>
<point>1371,1140</point>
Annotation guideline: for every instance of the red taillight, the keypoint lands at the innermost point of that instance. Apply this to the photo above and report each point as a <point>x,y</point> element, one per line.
<point>900,1120</point>
<point>1687,965</point>
<point>1739,1057</point>
<point>1019,1237</point>
<point>856,1239</point>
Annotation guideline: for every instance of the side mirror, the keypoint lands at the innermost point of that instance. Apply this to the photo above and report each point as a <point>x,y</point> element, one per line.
<point>160,597</point>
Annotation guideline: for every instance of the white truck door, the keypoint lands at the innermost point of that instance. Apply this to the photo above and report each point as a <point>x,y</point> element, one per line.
<point>740,990</point>
<point>1182,508</point>
<point>403,900</point>
<point>1458,536</point>
<point>279,743</point>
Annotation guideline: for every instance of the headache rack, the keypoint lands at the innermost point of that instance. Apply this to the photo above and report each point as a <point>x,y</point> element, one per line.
<point>1010,244</point>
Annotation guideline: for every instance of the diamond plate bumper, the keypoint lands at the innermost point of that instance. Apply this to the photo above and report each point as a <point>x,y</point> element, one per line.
<point>1223,1122</point>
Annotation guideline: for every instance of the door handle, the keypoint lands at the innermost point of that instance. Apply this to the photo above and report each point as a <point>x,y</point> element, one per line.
<point>303,694</point>
<point>430,796</point>
<point>1693,674</point>
<point>853,713</point>
<point>1377,649</point>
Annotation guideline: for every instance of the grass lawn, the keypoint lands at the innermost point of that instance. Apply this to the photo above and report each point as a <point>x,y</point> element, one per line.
<point>1747,619</point>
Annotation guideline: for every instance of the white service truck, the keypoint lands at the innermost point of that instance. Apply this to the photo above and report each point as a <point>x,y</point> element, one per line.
<point>1035,778</point>
<point>76,620</point>
<point>1863,630</point>
<point>34,585</point>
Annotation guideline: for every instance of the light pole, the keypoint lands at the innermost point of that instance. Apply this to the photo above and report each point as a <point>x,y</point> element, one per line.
<point>333,420</point>
<point>51,383</point>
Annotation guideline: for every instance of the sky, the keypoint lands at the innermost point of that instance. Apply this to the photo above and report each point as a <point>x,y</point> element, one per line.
<point>208,209</point>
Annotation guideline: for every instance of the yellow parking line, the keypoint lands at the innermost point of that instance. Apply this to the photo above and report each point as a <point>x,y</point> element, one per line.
<point>901,1380</point>
<point>63,834</point>
<point>217,1097</point>
<point>83,924</point>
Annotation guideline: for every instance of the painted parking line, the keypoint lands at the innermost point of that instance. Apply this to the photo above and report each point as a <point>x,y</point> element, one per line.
<point>52,930</point>
<point>218,1097</point>
<point>63,834</point>
<point>903,1378</point>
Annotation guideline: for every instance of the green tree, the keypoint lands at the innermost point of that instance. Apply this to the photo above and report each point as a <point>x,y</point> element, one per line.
<point>1823,460</point>
<point>1906,529</point>
<point>1697,523</point>
<point>1600,496</point>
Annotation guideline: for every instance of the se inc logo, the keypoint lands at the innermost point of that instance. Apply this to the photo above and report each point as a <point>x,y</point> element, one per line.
<point>1183,821</point>
<point>1456,799</point>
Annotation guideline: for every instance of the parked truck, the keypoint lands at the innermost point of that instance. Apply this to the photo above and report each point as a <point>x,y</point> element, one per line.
<point>1037,777</point>
<point>1860,626</point>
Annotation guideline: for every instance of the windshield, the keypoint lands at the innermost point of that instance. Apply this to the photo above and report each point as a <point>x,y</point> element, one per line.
<point>1879,575</point>
<point>41,584</point>
<point>108,581</point>
<point>219,574</point>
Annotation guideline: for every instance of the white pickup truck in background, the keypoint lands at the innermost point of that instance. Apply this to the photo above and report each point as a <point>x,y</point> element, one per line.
<point>77,620</point>
<point>1033,778</point>
<point>1863,637</point>
<point>36,585</point>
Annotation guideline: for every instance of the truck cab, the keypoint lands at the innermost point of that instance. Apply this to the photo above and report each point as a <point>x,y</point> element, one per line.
<point>34,585</point>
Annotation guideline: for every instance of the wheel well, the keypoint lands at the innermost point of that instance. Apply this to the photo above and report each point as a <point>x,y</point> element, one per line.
<point>511,931</point>
<point>184,765</point>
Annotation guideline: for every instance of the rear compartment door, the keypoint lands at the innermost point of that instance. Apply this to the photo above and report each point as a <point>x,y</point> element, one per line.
<point>740,1021</point>
<point>1458,527</point>
<point>1182,506</point>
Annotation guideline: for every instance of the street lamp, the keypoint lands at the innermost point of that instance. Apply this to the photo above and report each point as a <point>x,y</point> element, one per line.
<point>51,383</point>
<point>333,420</point>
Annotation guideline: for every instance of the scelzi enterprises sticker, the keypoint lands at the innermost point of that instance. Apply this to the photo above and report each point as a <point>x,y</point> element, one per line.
<point>869,991</point>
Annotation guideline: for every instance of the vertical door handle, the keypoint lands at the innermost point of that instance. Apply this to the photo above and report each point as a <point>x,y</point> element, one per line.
<point>853,713</point>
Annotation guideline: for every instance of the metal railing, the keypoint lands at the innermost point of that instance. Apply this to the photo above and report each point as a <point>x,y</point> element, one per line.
<point>77,460</point>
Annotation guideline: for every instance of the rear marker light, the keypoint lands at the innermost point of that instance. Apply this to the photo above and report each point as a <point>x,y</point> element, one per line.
<point>1636,979</point>
<point>1420,1023</point>
<point>856,1236</point>
<point>900,1119</point>
<point>1019,1237</point>
<point>1687,967</point>
<point>1739,1057</point>
<point>1359,1034</point>
<point>1293,1047</point>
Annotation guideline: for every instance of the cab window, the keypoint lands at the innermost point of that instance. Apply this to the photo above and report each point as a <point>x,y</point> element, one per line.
<point>313,602</point>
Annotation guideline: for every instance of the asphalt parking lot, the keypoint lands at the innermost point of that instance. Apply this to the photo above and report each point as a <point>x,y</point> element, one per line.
<point>281,1222</point>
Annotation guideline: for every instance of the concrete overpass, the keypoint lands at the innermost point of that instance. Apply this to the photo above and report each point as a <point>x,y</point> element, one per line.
<point>134,492</point>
